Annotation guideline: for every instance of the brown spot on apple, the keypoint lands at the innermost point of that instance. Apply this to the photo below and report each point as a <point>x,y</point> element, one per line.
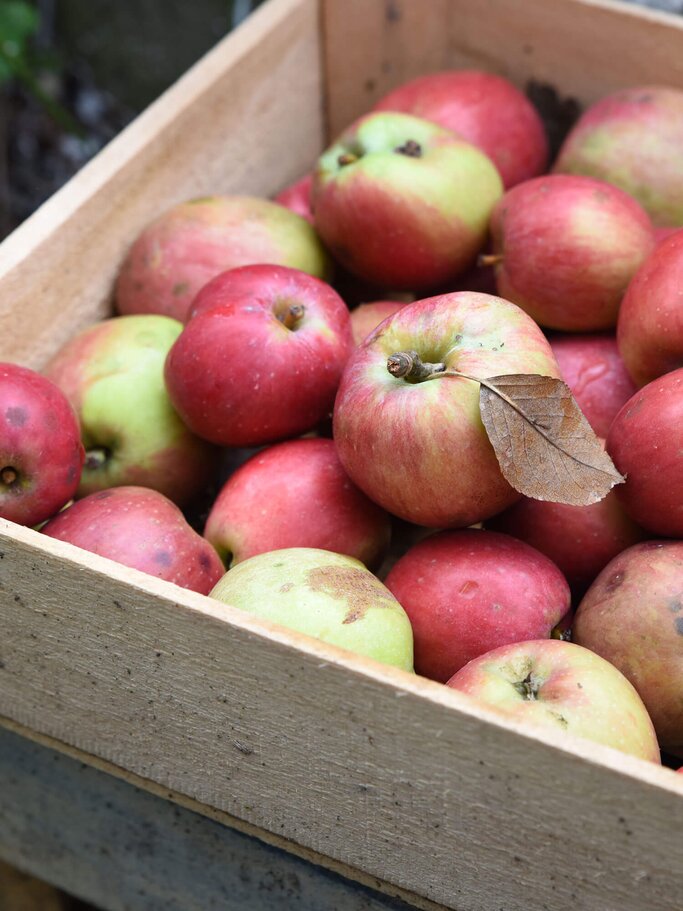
<point>614,581</point>
<point>288,586</point>
<point>678,623</point>
<point>355,586</point>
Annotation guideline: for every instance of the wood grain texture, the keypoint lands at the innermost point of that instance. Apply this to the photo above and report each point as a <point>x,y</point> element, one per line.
<point>223,128</point>
<point>584,48</point>
<point>126,850</point>
<point>388,773</point>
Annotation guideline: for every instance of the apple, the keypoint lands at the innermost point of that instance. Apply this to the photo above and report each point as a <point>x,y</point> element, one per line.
<point>402,202</point>
<point>419,448</point>
<point>632,139</point>
<point>650,326</point>
<point>260,366</point>
<point>486,110</point>
<point>41,455</point>
<point>469,591</point>
<point>142,529</point>
<point>645,442</point>
<point>580,540</point>
<point>367,317</point>
<point>564,687</point>
<point>328,596</point>
<point>112,372</point>
<point>296,494</point>
<point>187,246</point>
<point>593,369</point>
<point>297,197</point>
<point>566,248</point>
<point>632,615</point>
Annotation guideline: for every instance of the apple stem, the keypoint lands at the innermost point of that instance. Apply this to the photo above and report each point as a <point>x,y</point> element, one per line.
<point>292,316</point>
<point>346,158</point>
<point>410,148</point>
<point>489,259</point>
<point>96,458</point>
<point>8,475</point>
<point>410,366</point>
<point>527,687</point>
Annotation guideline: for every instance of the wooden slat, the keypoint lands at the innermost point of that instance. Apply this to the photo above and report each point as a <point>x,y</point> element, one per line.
<point>585,48</point>
<point>390,774</point>
<point>124,849</point>
<point>246,119</point>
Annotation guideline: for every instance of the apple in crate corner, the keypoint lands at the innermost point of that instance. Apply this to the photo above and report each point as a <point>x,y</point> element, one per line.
<point>142,529</point>
<point>328,596</point>
<point>486,110</point>
<point>646,443</point>
<point>633,139</point>
<point>632,615</point>
<point>402,202</point>
<point>419,448</point>
<point>41,455</point>
<point>296,494</point>
<point>187,246</point>
<point>261,365</point>
<point>565,249</point>
<point>564,687</point>
<point>113,373</point>
<point>467,592</point>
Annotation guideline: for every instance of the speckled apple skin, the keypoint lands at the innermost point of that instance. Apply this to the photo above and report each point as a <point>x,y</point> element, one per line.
<point>467,592</point>
<point>239,377</point>
<point>578,692</point>
<point>645,442</point>
<point>142,529</point>
<point>403,222</point>
<point>112,373</point>
<point>420,450</point>
<point>633,139</point>
<point>650,325</point>
<point>632,616</point>
<point>296,494</point>
<point>486,110</point>
<point>569,246</point>
<point>596,374</point>
<point>41,440</point>
<point>328,596</point>
<point>187,246</point>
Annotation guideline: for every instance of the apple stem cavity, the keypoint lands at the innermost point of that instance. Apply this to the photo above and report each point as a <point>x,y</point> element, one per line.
<point>489,259</point>
<point>410,366</point>
<point>410,148</point>
<point>528,688</point>
<point>96,458</point>
<point>9,476</point>
<point>292,316</point>
<point>346,158</point>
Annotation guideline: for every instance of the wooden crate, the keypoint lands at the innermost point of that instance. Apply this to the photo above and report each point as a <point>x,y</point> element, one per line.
<point>391,779</point>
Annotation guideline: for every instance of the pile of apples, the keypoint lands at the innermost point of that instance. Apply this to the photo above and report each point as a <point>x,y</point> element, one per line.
<point>337,473</point>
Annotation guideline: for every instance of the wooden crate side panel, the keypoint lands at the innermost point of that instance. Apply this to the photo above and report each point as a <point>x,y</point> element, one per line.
<point>388,774</point>
<point>584,48</point>
<point>246,119</point>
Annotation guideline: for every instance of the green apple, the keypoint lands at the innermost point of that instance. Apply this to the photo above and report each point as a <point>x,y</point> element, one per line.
<point>112,373</point>
<point>325,595</point>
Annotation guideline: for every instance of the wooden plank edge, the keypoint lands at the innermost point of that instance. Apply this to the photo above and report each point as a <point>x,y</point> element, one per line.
<point>635,11</point>
<point>127,145</point>
<point>220,816</point>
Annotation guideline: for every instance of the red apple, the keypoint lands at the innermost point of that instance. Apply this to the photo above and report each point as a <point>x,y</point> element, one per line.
<point>296,494</point>
<point>580,540</point>
<point>633,139</point>
<point>262,367</point>
<point>402,202</point>
<point>41,455</point>
<point>486,110</point>
<point>564,687</point>
<point>566,248</point>
<point>594,371</point>
<point>467,592</point>
<point>419,448</point>
<point>650,327</point>
<point>645,442</point>
<point>297,197</point>
<point>142,529</point>
<point>191,243</point>
<point>367,317</point>
<point>632,615</point>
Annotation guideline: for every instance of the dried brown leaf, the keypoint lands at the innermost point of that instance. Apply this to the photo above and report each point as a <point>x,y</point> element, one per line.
<point>545,446</point>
